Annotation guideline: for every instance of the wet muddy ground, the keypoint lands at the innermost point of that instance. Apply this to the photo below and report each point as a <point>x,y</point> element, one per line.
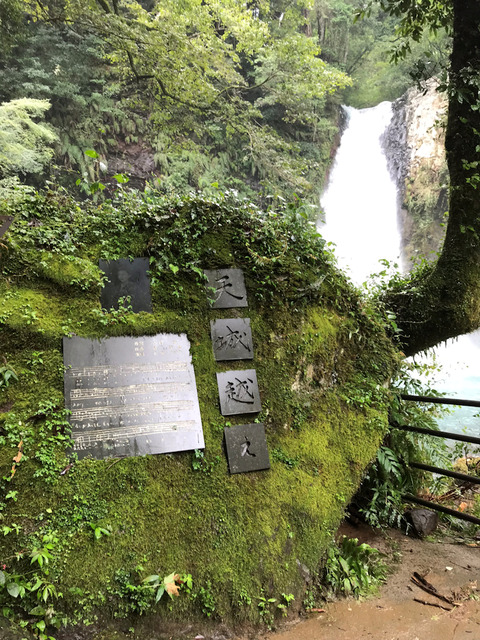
<point>402,610</point>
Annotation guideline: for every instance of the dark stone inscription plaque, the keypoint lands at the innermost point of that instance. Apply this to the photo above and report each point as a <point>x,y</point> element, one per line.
<point>246,448</point>
<point>126,279</point>
<point>238,391</point>
<point>232,339</point>
<point>5,222</point>
<point>226,287</point>
<point>131,396</point>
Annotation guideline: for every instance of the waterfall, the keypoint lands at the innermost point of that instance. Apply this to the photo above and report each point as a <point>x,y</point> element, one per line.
<point>360,207</point>
<point>360,202</point>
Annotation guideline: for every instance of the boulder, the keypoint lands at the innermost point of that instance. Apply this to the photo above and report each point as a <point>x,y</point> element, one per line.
<point>423,521</point>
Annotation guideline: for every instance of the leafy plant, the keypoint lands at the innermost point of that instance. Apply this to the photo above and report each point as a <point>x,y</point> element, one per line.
<point>386,481</point>
<point>42,555</point>
<point>32,590</point>
<point>280,455</point>
<point>353,568</point>
<point>7,375</point>
<point>200,463</point>
<point>113,316</point>
<point>379,499</point>
<point>99,532</point>
<point>54,432</point>
<point>287,599</point>
<point>266,609</point>
<point>35,359</point>
<point>206,599</point>
<point>169,584</point>
<point>268,606</point>
<point>243,598</point>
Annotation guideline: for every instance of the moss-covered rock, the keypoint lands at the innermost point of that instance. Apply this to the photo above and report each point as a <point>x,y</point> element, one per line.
<point>322,360</point>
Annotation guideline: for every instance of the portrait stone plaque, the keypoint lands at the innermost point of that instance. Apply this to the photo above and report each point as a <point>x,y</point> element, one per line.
<point>226,287</point>
<point>238,392</point>
<point>5,222</point>
<point>128,283</point>
<point>232,339</point>
<point>246,448</point>
<point>131,396</point>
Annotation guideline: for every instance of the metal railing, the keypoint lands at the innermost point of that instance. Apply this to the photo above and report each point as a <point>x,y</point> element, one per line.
<point>445,472</point>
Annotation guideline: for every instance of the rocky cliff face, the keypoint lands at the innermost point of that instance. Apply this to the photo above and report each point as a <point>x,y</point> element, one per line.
<point>414,145</point>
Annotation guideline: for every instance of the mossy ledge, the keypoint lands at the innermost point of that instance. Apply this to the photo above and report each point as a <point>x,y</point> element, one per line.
<point>322,359</point>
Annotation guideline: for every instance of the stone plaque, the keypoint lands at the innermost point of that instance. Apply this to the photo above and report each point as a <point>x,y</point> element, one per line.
<point>126,280</point>
<point>246,448</point>
<point>226,287</point>
<point>5,222</point>
<point>238,392</point>
<point>232,339</point>
<point>131,396</point>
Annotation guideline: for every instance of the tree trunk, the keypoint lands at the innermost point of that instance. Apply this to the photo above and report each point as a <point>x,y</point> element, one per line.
<point>307,29</point>
<point>443,301</point>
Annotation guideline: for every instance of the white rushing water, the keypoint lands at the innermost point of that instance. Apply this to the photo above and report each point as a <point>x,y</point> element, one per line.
<point>360,202</point>
<point>360,207</point>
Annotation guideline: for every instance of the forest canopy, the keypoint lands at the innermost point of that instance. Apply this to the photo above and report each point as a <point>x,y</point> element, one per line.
<point>241,95</point>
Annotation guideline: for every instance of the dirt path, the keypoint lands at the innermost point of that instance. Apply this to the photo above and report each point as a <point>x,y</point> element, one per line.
<point>453,569</point>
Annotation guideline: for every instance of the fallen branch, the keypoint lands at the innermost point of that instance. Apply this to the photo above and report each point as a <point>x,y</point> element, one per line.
<point>420,582</point>
<point>432,604</point>
<point>115,462</point>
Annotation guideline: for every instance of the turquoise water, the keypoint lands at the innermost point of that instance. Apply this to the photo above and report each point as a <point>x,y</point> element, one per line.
<point>459,377</point>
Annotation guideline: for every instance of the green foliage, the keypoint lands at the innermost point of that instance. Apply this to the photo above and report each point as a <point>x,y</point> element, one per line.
<point>354,569</point>
<point>206,599</point>
<point>169,584</point>
<point>11,23</point>
<point>112,316</point>
<point>41,555</point>
<point>54,438</point>
<point>24,143</point>
<point>364,48</point>
<point>383,487</point>
<point>68,68</point>
<point>380,498</point>
<point>280,456</point>
<point>7,376</point>
<point>100,532</point>
<point>244,103</point>
<point>377,79</point>
<point>268,607</point>
<point>32,590</point>
<point>201,463</point>
<point>140,596</point>
<point>415,18</point>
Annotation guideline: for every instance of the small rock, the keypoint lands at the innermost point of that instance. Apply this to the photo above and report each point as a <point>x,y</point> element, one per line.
<point>423,521</point>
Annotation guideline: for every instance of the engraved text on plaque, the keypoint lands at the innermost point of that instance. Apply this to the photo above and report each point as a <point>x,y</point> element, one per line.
<point>131,396</point>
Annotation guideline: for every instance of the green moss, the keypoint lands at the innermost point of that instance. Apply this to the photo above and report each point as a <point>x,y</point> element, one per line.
<point>425,204</point>
<point>323,407</point>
